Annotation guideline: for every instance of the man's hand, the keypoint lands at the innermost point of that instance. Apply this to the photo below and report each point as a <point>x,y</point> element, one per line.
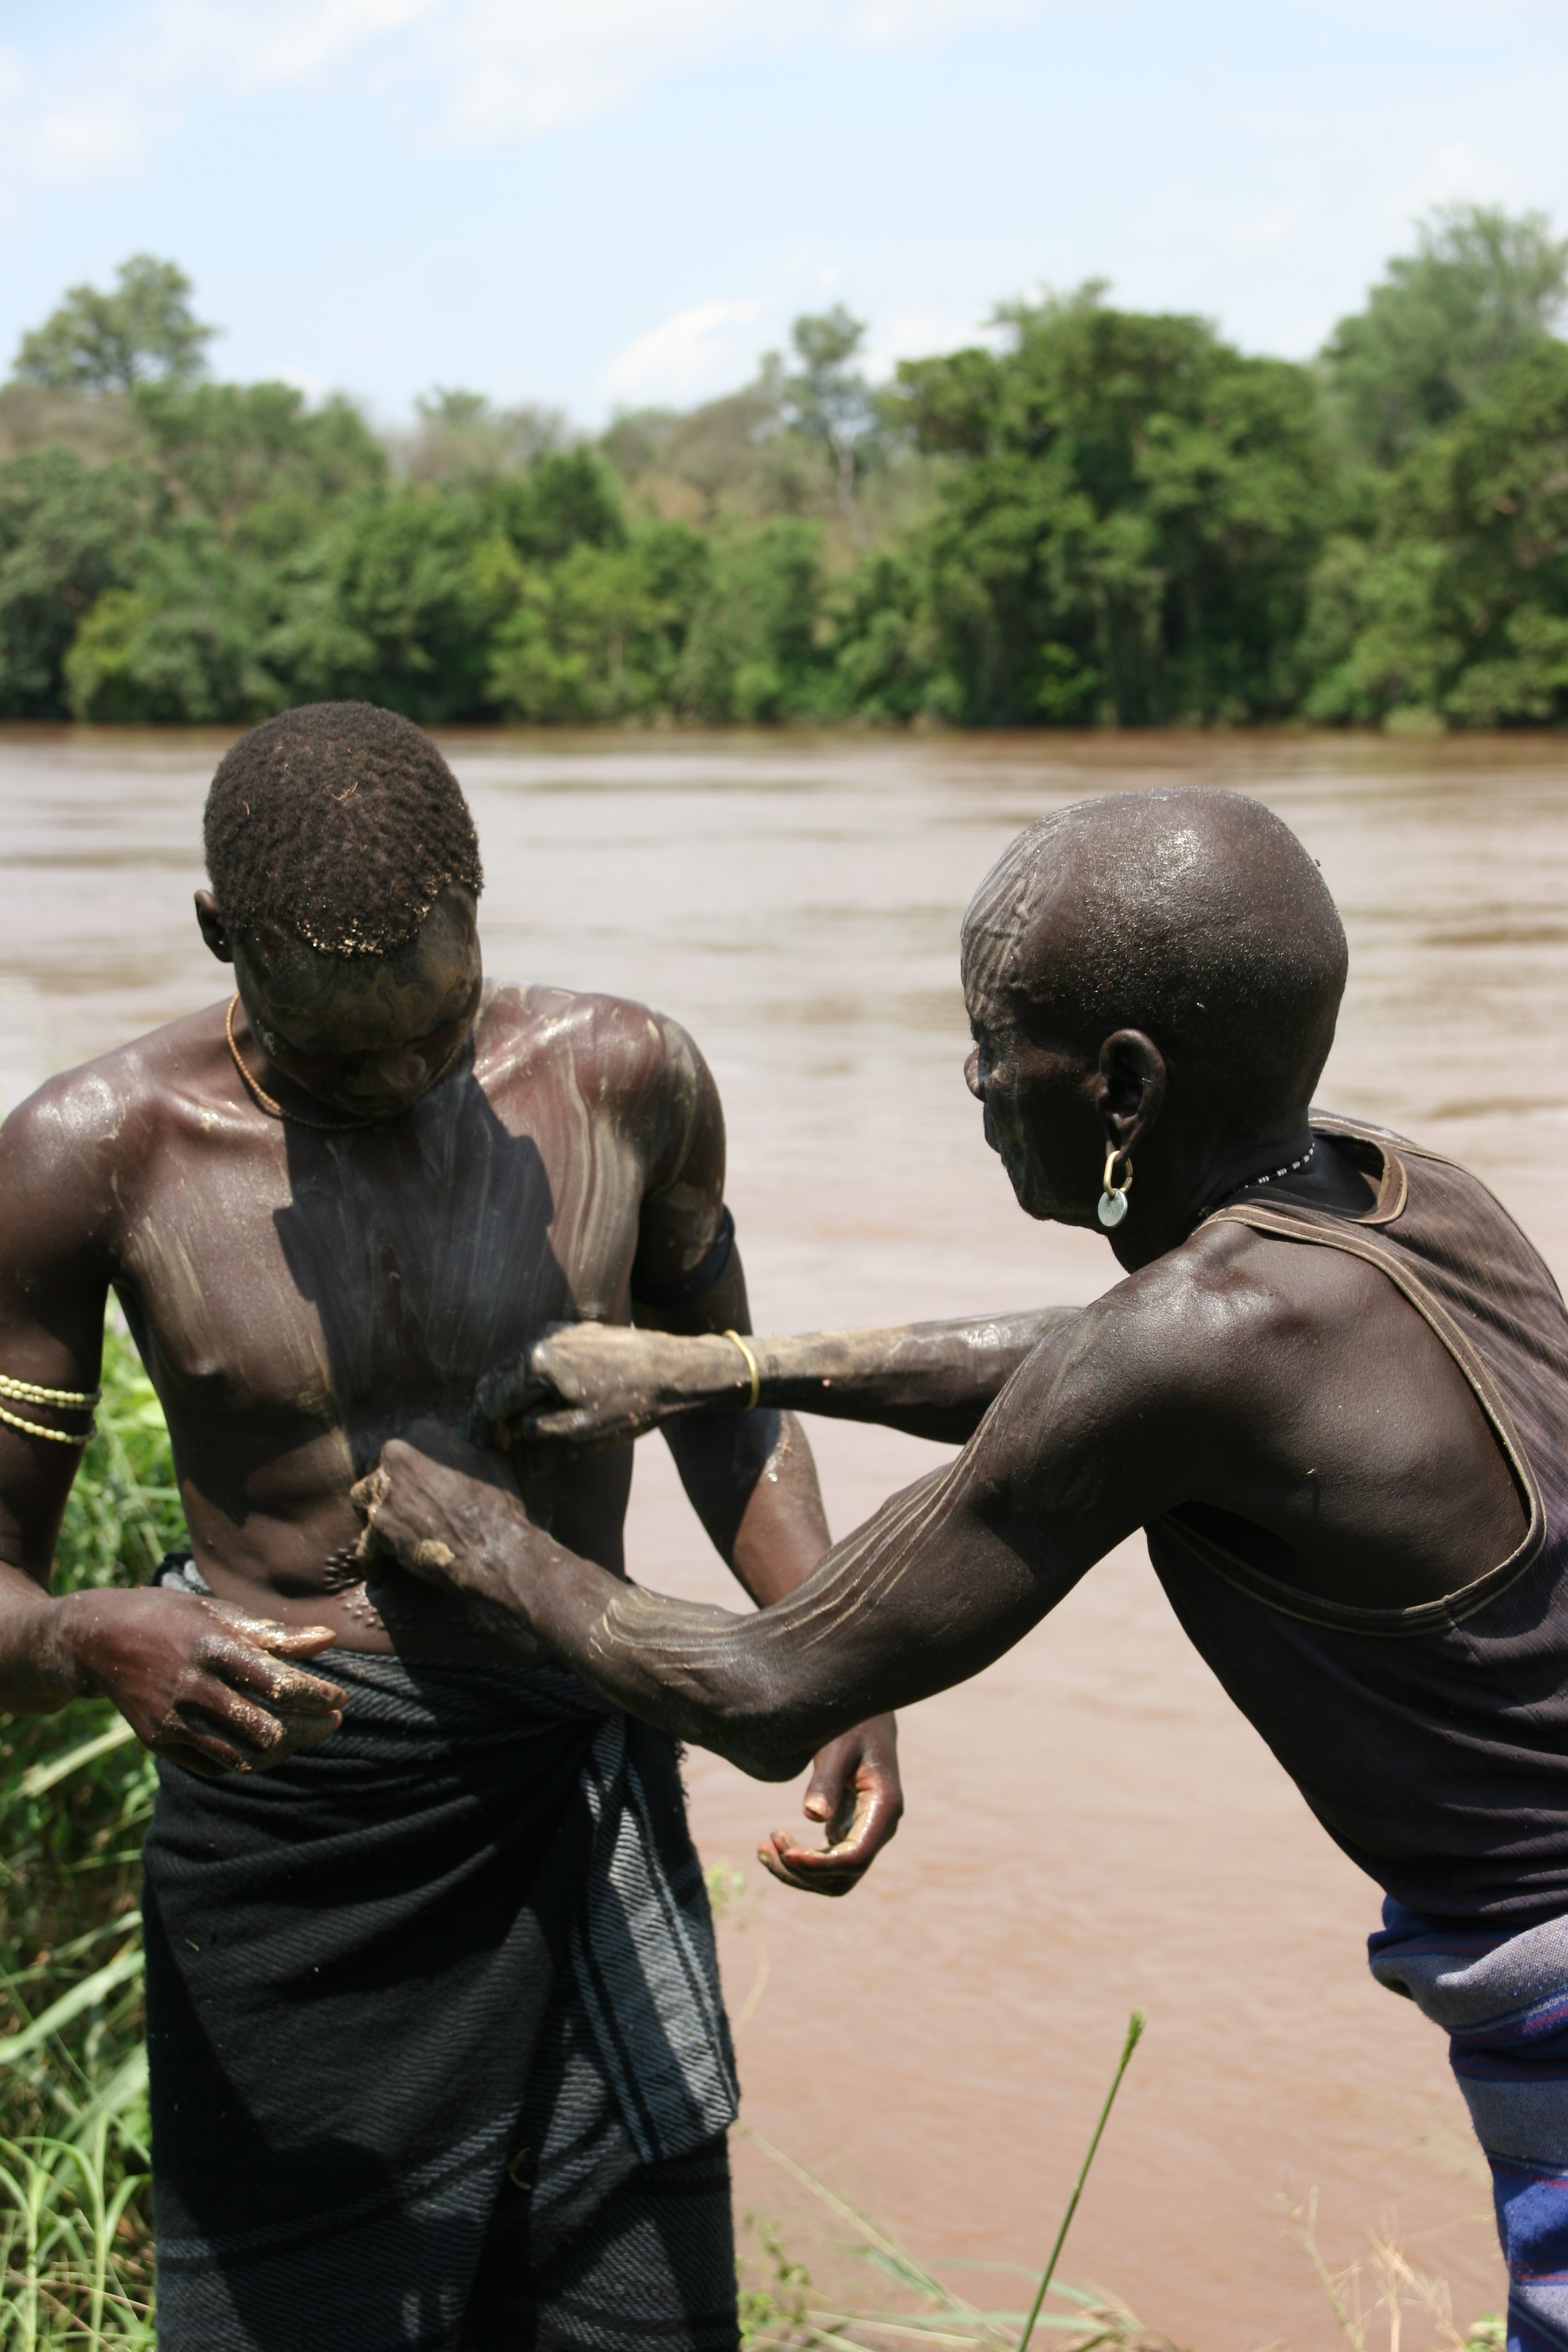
<point>856,1791</point>
<point>451,1514</point>
<point>199,1682</point>
<point>599,1384</point>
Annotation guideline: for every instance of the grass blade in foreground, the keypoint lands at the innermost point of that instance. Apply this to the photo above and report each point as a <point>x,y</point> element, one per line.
<point>792,2315</point>
<point>1135,2032</point>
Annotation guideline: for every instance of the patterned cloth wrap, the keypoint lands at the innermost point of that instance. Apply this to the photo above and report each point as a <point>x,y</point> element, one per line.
<point>1503,2002</point>
<point>439,2051</point>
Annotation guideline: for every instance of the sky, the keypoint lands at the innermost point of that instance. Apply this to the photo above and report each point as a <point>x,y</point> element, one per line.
<point>604,204</point>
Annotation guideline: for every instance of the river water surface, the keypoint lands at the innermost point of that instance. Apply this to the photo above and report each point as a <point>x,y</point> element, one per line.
<point>1090,1827</point>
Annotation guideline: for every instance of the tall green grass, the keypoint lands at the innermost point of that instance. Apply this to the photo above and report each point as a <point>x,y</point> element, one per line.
<point>76,1790</point>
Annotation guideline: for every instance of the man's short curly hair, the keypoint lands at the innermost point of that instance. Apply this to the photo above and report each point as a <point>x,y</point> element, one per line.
<point>341,824</point>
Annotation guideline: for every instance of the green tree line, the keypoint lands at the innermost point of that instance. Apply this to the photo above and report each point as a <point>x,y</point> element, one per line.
<point>1095,516</point>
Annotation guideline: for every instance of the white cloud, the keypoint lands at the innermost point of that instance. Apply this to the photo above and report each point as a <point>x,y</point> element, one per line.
<point>1457,173</point>
<point>523,69</point>
<point>707,348</point>
<point>903,24</point>
<point>65,146</point>
<point>915,334</point>
<point>511,70</point>
<point>468,72</point>
<point>1268,228</point>
<point>63,137</point>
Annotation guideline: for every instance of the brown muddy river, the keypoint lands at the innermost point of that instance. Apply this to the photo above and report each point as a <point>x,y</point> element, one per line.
<point>1090,1828</point>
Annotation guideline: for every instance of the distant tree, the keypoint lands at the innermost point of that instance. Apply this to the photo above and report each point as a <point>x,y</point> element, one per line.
<point>570,499</point>
<point>1456,610</point>
<point>723,463</point>
<point>253,456</point>
<point>1127,530</point>
<point>69,532</point>
<point>1480,290</point>
<point>1099,516</point>
<point>109,342</point>
<point>189,643</point>
<point>829,401</point>
<point>462,437</point>
<point>888,654</point>
<point>752,653</point>
<point>636,440</point>
<point>395,603</point>
<point>598,634</point>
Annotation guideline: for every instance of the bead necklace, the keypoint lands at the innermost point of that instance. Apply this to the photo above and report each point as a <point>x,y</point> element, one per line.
<point>274,1109</point>
<point>1273,1175</point>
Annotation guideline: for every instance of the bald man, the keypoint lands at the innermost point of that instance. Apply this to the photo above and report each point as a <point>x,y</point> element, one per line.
<point>1333,1389</point>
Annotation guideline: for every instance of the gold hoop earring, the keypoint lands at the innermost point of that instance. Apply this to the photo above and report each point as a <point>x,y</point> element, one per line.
<point>1113,1196</point>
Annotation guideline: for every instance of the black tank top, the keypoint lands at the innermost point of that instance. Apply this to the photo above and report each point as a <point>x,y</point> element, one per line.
<point>1431,1742</point>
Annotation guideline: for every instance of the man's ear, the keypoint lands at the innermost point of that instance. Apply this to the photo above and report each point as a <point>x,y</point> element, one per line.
<point>213,928</point>
<point>1129,1089</point>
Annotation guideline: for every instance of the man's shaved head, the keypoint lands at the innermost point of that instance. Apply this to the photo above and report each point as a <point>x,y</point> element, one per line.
<point>1190,914</point>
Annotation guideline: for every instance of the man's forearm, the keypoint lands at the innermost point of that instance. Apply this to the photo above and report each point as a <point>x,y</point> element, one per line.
<point>753,1482</point>
<point>945,1576</point>
<point>861,1636</point>
<point>933,1379</point>
<point>37,1673</point>
<point>858,1638</point>
<point>698,1672</point>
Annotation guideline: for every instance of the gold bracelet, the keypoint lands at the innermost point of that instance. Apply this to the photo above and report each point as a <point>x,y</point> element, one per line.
<point>752,1366</point>
<point>37,1429</point>
<point>28,1392</point>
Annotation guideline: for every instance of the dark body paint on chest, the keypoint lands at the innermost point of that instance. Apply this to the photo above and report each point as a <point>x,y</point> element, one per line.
<point>302,1296</point>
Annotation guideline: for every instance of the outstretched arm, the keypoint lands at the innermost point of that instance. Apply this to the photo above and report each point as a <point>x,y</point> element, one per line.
<point>593,1384</point>
<point>1078,1450</point>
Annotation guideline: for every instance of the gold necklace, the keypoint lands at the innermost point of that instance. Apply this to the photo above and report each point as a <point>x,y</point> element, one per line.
<point>274,1109</point>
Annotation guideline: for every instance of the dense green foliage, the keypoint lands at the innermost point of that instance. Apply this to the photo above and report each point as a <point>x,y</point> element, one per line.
<point>76,1790</point>
<point>1132,525</point>
<point>1097,516</point>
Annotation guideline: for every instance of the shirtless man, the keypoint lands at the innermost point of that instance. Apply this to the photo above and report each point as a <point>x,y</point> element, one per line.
<point>1333,1389</point>
<point>438,2055</point>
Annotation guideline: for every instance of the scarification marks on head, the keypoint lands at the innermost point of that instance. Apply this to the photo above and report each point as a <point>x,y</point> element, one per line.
<point>1190,913</point>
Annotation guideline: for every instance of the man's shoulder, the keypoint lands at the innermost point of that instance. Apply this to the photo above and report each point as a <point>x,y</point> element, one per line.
<point>624,1048</point>
<point>1228,1270</point>
<point>1238,1310</point>
<point>1197,1360</point>
<point>109,1103</point>
<point>73,1156</point>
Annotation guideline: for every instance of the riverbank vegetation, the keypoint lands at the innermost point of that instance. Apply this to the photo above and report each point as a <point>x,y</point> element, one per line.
<point>75,1793</point>
<point>1096,515</point>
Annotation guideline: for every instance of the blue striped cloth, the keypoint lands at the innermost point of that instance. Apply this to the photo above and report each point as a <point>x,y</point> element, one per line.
<point>1503,2002</point>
